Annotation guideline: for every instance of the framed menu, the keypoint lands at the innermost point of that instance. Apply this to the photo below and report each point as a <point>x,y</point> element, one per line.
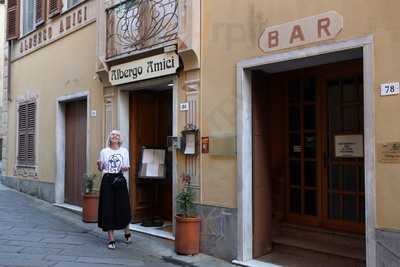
<point>152,163</point>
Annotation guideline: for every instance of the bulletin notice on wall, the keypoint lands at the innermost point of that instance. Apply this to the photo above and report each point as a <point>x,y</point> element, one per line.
<point>389,152</point>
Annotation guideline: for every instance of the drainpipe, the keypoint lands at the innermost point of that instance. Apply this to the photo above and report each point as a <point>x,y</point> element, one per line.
<point>9,71</point>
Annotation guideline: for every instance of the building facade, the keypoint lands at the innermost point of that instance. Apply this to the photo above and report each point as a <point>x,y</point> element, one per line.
<point>281,113</point>
<point>3,107</point>
<point>52,136</point>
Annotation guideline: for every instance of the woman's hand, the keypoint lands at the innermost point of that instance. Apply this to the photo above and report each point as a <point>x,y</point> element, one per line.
<point>100,165</point>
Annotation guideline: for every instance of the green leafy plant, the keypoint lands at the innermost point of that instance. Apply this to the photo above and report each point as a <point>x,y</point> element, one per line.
<point>90,181</point>
<point>185,198</point>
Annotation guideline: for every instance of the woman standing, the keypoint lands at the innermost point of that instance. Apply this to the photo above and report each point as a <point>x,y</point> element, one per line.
<point>114,208</point>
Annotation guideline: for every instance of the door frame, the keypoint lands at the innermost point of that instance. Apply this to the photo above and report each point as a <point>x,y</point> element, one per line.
<point>60,141</point>
<point>123,119</point>
<point>244,138</point>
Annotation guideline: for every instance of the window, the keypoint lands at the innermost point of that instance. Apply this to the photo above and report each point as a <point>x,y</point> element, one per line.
<point>28,16</point>
<point>70,3</point>
<point>26,133</point>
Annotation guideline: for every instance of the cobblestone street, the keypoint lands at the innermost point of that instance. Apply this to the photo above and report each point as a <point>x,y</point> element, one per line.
<point>35,233</point>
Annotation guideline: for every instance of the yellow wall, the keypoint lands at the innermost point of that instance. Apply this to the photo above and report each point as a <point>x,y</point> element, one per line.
<point>230,32</point>
<point>61,68</point>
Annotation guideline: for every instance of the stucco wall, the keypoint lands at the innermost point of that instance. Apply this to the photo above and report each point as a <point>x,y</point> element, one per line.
<point>62,68</point>
<point>230,33</point>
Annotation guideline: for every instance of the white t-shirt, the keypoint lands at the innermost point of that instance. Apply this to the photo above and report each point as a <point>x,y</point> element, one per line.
<point>113,160</point>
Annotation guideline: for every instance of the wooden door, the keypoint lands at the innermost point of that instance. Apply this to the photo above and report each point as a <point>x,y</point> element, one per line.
<point>344,197</point>
<point>75,151</point>
<point>262,214</point>
<point>324,189</point>
<point>304,149</point>
<point>150,124</point>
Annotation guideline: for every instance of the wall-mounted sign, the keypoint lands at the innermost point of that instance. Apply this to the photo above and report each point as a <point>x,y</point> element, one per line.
<point>142,69</point>
<point>55,29</point>
<point>389,152</point>
<point>205,140</point>
<point>390,89</point>
<point>184,106</point>
<point>349,146</point>
<point>300,32</point>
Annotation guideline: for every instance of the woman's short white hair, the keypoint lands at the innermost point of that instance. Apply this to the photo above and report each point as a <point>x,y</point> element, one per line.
<point>109,138</point>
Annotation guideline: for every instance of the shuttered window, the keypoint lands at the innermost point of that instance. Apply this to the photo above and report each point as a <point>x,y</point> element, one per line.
<point>13,8</point>
<point>26,133</point>
<point>40,11</point>
<point>54,7</point>
<point>28,16</point>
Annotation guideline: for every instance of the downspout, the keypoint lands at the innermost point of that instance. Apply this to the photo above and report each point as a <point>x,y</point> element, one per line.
<point>9,70</point>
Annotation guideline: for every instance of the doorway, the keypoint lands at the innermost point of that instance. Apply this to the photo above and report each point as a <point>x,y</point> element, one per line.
<point>308,160</point>
<point>150,125</point>
<point>75,150</point>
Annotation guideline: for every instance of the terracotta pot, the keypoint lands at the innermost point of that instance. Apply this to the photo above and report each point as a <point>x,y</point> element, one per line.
<point>187,235</point>
<point>90,206</point>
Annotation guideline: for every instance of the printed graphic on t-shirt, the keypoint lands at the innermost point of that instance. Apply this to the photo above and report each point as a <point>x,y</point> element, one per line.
<point>114,163</point>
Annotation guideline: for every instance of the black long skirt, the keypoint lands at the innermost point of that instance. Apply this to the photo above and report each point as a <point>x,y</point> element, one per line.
<point>114,209</point>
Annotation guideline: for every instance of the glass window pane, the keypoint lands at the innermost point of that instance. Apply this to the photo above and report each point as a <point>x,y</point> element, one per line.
<point>294,91</point>
<point>310,202</point>
<point>350,178</point>
<point>310,171</point>
<point>335,174</point>
<point>334,206</point>
<point>295,172</point>
<point>310,145</point>
<point>294,145</point>
<point>295,200</point>
<point>28,16</point>
<point>350,207</point>
<point>309,89</point>
<point>309,117</point>
<point>294,118</point>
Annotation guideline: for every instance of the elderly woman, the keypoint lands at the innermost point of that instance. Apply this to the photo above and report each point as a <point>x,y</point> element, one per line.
<point>114,209</point>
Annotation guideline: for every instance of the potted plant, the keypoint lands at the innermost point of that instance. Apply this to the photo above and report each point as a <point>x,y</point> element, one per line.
<point>90,198</point>
<point>187,232</point>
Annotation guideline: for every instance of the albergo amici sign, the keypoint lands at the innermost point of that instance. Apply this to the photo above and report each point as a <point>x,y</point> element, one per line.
<point>142,69</point>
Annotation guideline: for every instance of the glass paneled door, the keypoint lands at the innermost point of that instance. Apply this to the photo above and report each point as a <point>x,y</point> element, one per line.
<point>325,166</point>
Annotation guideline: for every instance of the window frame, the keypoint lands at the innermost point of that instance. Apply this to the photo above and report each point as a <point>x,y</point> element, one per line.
<point>21,18</point>
<point>65,7</point>
<point>26,132</point>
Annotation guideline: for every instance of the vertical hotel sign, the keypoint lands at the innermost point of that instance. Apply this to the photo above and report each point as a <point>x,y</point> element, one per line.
<point>304,31</point>
<point>142,69</point>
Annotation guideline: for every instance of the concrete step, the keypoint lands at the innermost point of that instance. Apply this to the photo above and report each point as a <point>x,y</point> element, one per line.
<point>292,237</point>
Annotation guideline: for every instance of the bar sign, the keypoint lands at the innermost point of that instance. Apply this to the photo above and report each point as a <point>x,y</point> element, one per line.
<point>390,89</point>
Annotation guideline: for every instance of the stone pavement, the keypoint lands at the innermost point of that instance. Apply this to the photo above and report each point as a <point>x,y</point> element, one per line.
<point>36,233</point>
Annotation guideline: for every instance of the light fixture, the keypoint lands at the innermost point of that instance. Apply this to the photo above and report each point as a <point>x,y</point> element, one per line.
<point>171,85</point>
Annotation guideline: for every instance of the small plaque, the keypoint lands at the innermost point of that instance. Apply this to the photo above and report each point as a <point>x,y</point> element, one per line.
<point>389,152</point>
<point>388,89</point>
<point>205,140</point>
<point>349,146</point>
<point>184,106</point>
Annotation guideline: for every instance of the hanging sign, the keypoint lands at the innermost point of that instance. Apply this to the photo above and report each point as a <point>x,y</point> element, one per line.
<point>142,69</point>
<point>349,146</point>
<point>301,32</point>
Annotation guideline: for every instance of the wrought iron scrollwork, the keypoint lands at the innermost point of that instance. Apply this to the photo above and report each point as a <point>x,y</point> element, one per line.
<point>139,24</point>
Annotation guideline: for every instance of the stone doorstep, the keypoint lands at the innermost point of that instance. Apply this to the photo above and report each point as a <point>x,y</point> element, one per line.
<point>158,247</point>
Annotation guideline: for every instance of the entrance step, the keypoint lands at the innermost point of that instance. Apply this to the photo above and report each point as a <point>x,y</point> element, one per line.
<point>298,257</point>
<point>314,239</point>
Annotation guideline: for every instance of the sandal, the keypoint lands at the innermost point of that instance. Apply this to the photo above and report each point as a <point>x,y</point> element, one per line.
<point>128,238</point>
<point>111,244</point>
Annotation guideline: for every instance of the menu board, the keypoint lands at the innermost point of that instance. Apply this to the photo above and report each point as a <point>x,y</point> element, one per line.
<point>152,163</point>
